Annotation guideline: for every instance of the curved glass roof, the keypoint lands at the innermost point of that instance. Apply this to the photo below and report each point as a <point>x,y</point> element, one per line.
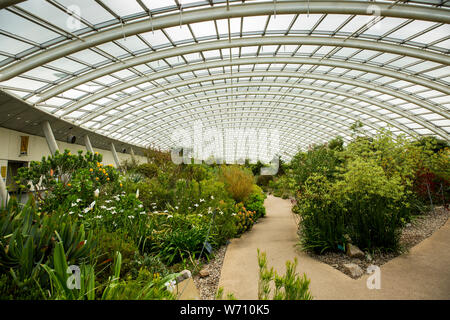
<point>137,70</point>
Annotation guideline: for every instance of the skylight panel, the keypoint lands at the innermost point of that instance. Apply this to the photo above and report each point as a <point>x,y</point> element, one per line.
<point>112,49</point>
<point>252,24</point>
<point>280,22</point>
<point>90,10</point>
<point>179,33</point>
<point>410,29</point>
<point>306,49</point>
<point>67,65</point>
<point>304,22</point>
<point>123,8</point>
<point>433,35</point>
<point>155,38</point>
<point>132,43</point>
<point>222,26</point>
<point>332,22</point>
<point>44,73</point>
<point>24,28</point>
<point>203,29</point>
<point>156,4</point>
<point>22,83</point>
<point>88,56</point>
<point>46,11</point>
<point>383,26</point>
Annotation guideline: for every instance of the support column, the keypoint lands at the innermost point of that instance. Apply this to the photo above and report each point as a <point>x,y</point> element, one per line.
<point>115,156</point>
<point>52,145</point>
<point>88,144</point>
<point>133,156</point>
<point>3,193</point>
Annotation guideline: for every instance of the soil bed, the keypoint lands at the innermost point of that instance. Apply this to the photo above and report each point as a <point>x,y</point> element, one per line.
<point>419,229</point>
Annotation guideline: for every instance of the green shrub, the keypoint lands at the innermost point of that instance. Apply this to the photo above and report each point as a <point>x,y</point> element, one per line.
<point>255,202</point>
<point>322,220</point>
<point>149,170</point>
<point>238,182</point>
<point>245,219</point>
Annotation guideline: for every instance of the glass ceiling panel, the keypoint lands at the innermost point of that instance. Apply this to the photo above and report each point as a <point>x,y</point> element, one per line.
<point>114,104</point>
<point>90,10</point>
<point>10,22</point>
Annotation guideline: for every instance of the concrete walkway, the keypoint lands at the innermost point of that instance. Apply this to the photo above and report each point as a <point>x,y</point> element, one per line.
<point>423,273</point>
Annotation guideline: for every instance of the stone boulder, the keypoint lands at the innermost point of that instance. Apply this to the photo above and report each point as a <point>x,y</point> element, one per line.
<point>203,273</point>
<point>354,270</point>
<point>354,252</point>
<point>185,274</point>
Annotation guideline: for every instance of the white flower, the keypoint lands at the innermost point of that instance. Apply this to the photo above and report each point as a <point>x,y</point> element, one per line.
<point>165,211</point>
<point>200,215</point>
<point>113,212</point>
<point>78,200</point>
<point>96,193</point>
<point>170,216</point>
<point>103,207</point>
<point>108,201</point>
<point>221,212</point>
<point>154,203</point>
<point>74,204</point>
<point>209,210</point>
<point>212,197</point>
<point>233,214</point>
<point>131,217</point>
<point>70,212</point>
<point>142,212</point>
<point>202,200</point>
<point>196,205</point>
<point>137,193</point>
<point>98,217</point>
<point>170,285</point>
<point>140,206</point>
<point>80,215</point>
<point>176,207</point>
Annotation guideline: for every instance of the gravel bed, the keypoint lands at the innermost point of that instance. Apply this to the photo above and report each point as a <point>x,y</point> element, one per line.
<point>419,229</point>
<point>207,286</point>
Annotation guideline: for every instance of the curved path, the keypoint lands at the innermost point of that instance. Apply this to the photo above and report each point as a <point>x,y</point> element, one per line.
<point>423,273</point>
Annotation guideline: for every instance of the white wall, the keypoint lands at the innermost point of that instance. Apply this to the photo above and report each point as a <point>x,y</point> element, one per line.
<point>37,148</point>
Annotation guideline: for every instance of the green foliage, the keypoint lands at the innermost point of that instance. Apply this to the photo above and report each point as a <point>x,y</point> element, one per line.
<point>60,178</point>
<point>149,170</point>
<point>255,203</point>
<point>367,190</point>
<point>238,182</point>
<point>289,286</point>
<point>245,219</point>
<point>319,159</point>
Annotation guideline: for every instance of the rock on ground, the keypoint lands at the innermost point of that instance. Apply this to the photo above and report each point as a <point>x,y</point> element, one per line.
<point>208,286</point>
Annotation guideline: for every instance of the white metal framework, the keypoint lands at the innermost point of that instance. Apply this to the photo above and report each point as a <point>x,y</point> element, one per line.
<point>136,70</point>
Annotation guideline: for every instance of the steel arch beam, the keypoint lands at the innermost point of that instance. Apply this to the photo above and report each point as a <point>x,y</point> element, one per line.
<point>289,60</point>
<point>245,42</point>
<point>382,105</point>
<point>7,3</point>
<point>240,84</point>
<point>249,84</point>
<point>223,12</point>
<point>343,80</point>
<point>289,141</point>
<point>210,103</point>
<point>344,114</point>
